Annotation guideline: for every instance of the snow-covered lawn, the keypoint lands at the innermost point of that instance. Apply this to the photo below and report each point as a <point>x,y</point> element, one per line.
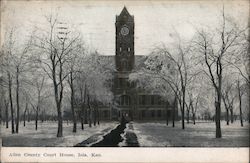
<point>199,135</point>
<point>45,136</point>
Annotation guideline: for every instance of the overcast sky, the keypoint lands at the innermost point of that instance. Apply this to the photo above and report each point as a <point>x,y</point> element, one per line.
<point>155,22</point>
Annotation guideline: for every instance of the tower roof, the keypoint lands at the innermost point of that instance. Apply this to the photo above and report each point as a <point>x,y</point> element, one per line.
<point>124,15</point>
<point>124,11</point>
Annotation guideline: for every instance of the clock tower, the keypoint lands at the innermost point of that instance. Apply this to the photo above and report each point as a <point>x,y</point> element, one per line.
<point>124,63</point>
<point>124,58</point>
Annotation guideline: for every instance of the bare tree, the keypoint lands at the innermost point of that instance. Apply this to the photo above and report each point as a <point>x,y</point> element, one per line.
<point>20,66</point>
<point>7,65</point>
<point>214,57</point>
<point>74,66</point>
<point>172,65</point>
<point>156,75</point>
<point>37,101</point>
<point>97,90</point>
<point>16,62</point>
<point>54,51</point>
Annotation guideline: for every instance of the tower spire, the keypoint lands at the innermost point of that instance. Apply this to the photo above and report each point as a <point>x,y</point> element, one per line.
<point>125,15</point>
<point>124,11</point>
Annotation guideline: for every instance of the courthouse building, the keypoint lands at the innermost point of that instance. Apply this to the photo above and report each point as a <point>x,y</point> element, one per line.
<point>130,101</point>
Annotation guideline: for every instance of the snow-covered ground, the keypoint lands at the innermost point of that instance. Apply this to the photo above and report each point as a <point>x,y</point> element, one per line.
<point>45,136</point>
<point>149,134</point>
<point>200,135</point>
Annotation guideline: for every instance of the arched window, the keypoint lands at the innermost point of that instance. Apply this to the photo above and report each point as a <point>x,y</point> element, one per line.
<point>125,100</point>
<point>124,64</point>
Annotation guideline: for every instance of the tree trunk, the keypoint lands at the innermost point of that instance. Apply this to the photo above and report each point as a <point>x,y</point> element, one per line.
<point>167,115</point>
<point>110,115</point>
<point>94,113</point>
<point>58,101</point>
<point>231,114</point>
<point>218,102</point>
<point>60,121</point>
<point>217,118</point>
<point>90,119</point>
<point>241,119</point>
<point>193,110</point>
<point>24,118</point>
<point>17,100</point>
<point>173,112</point>
<point>73,114</point>
<point>82,122</point>
<point>58,92</point>
<point>182,117</point>
<point>6,113</point>
<point>94,116</point>
<point>194,118</point>
<point>24,114</point>
<point>240,102</point>
<point>72,101</point>
<point>89,112</point>
<point>226,107</point>
<point>36,120</point>
<point>188,115</point>
<point>83,104</point>
<point>11,104</point>
<point>183,110</point>
<point>85,116</point>
<point>227,116</point>
<point>42,116</point>
<point>98,116</point>
<point>28,114</point>
<point>85,110</point>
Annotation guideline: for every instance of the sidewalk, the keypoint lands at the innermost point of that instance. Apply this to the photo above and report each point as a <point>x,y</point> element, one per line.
<point>130,138</point>
<point>94,138</point>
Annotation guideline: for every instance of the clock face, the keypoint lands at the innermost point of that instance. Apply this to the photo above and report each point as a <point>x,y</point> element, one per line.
<point>124,31</point>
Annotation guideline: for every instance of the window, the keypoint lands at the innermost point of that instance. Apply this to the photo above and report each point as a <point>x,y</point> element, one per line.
<point>120,49</point>
<point>152,113</point>
<point>119,83</point>
<point>159,100</point>
<point>143,113</point>
<point>158,113</point>
<point>142,100</point>
<point>128,49</point>
<point>125,64</point>
<point>152,100</point>
<point>125,100</point>
<point>127,83</point>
